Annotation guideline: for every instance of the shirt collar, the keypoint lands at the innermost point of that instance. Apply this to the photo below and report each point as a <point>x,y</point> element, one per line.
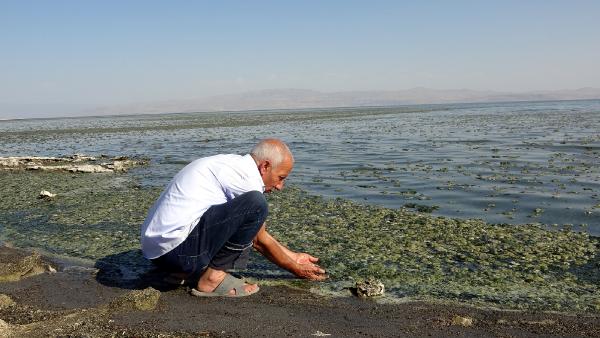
<point>254,173</point>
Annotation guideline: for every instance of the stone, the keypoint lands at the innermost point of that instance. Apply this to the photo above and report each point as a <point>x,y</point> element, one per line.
<point>16,265</point>
<point>123,163</point>
<point>5,330</point>
<point>462,321</point>
<point>5,301</point>
<point>46,195</point>
<point>143,300</point>
<point>81,158</point>
<point>77,163</point>
<point>369,287</point>
<point>89,168</point>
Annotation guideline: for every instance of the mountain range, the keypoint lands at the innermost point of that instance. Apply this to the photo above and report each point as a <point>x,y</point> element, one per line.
<point>303,98</point>
<point>297,99</point>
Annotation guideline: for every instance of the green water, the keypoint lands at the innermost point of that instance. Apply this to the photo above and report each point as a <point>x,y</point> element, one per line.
<point>417,256</point>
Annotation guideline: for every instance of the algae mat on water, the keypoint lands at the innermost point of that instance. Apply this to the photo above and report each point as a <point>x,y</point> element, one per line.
<point>417,256</point>
<point>425,257</point>
<point>92,215</point>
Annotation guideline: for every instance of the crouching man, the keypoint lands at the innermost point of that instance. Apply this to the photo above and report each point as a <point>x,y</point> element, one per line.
<point>213,212</point>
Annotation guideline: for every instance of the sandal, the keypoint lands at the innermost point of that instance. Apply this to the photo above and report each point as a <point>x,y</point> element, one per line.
<point>229,283</point>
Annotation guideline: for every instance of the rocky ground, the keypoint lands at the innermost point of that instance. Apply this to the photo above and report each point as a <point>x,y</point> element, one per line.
<point>43,297</point>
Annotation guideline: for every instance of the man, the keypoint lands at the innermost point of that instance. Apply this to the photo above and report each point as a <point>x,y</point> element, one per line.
<point>213,212</point>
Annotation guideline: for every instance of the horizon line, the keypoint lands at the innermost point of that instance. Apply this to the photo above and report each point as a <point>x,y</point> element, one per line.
<point>290,109</point>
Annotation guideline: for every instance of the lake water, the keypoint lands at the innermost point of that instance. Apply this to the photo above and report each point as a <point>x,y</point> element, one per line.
<point>381,172</point>
<point>526,162</point>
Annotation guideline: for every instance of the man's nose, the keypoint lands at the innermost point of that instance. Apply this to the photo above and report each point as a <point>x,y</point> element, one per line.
<point>279,186</point>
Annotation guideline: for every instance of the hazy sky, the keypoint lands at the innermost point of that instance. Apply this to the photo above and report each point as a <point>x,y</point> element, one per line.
<point>112,52</point>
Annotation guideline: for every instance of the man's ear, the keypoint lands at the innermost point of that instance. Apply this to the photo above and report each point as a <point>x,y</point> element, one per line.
<point>264,167</point>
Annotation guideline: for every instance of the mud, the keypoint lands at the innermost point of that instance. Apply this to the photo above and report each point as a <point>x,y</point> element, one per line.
<point>75,302</point>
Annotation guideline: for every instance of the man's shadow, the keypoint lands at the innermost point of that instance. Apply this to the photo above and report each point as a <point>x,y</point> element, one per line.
<point>130,270</point>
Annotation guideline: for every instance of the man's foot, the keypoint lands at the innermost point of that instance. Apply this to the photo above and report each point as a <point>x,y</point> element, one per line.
<point>212,278</point>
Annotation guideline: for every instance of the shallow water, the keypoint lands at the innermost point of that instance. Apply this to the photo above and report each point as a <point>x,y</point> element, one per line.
<point>418,256</point>
<point>527,162</point>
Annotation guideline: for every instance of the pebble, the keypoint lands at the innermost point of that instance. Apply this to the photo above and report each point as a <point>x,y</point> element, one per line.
<point>46,195</point>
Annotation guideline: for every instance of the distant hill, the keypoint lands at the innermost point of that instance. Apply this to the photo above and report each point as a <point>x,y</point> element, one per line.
<point>300,99</point>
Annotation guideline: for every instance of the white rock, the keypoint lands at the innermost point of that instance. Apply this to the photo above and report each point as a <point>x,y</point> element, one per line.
<point>89,168</point>
<point>46,194</point>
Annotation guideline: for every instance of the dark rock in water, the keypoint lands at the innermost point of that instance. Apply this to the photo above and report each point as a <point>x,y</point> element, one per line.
<point>16,264</point>
<point>369,287</point>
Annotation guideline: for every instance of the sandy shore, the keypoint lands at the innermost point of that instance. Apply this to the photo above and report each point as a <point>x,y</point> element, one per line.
<point>36,300</point>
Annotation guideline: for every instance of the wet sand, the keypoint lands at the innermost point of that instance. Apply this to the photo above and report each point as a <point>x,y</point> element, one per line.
<point>82,302</point>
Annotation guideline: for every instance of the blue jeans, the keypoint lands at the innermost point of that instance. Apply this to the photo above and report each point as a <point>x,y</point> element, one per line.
<point>222,239</point>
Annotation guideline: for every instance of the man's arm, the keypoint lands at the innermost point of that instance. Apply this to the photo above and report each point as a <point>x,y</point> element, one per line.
<point>300,264</point>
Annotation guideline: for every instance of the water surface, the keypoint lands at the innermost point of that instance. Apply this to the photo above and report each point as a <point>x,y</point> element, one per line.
<point>526,162</point>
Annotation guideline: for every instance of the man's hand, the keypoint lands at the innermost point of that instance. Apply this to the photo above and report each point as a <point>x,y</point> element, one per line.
<point>306,266</point>
<point>300,264</point>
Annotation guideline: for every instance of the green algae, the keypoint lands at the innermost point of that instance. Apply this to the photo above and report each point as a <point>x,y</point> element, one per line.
<point>417,256</point>
<point>424,257</point>
<point>92,215</point>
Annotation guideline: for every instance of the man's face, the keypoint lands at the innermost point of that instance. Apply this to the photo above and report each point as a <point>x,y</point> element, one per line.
<point>274,178</point>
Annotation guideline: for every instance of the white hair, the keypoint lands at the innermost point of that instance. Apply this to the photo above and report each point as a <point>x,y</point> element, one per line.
<point>272,150</point>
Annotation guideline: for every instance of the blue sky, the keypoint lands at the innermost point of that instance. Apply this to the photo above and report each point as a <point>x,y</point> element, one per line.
<point>114,52</point>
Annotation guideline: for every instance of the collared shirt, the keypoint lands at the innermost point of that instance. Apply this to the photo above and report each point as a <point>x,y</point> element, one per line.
<point>201,184</point>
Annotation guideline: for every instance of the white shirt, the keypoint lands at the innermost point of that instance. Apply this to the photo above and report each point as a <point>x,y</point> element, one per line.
<point>201,184</point>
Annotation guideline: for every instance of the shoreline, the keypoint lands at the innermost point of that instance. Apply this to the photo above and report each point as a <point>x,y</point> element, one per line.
<point>76,302</point>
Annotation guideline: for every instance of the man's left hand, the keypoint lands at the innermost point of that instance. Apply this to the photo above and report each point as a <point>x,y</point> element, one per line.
<point>306,267</point>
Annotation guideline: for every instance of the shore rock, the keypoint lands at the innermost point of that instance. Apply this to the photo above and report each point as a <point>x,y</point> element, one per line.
<point>142,300</point>
<point>5,301</point>
<point>5,330</point>
<point>77,163</point>
<point>369,287</point>
<point>462,321</point>
<point>15,264</point>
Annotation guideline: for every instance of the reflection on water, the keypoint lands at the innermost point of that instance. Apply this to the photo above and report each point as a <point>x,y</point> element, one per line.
<point>505,162</point>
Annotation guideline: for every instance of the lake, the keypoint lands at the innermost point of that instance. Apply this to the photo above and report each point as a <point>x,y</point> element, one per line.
<point>488,204</point>
<point>524,162</point>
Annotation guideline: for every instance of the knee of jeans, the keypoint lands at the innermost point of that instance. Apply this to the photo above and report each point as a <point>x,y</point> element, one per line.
<point>259,202</point>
